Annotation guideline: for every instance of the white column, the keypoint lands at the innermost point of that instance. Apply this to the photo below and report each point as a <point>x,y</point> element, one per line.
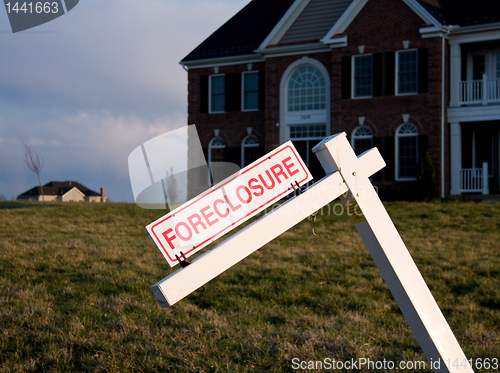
<point>455,157</point>
<point>455,73</point>
<point>486,189</point>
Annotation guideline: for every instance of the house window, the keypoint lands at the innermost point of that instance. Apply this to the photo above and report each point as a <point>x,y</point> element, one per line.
<point>362,139</point>
<point>250,96</point>
<point>217,93</point>
<point>216,153</point>
<point>249,150</point>
<point>363,76</point>
<point>406,152</point>
<point>407,72</point>
<point>306,90</point>
<point>309,131</point>
<point>216,150</point>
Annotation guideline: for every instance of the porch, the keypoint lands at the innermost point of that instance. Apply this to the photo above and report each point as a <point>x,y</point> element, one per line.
<point>482,91</point>
<point>475,158</point>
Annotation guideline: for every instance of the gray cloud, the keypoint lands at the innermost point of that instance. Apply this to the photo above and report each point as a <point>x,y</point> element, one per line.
<point>87,88</point>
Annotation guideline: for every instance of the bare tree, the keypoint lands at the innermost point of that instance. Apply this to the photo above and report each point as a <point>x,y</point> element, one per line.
<point>171,187</point>
<point>35,163</point>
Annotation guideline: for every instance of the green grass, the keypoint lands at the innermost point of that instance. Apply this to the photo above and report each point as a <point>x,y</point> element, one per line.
<point>75,278</point>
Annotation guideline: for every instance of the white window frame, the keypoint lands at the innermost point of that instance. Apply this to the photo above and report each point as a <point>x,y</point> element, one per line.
<point>306,111</point>
<point>353,77</point>
<point>397,73</point>
<point>490,61</point>
<point>210,94</point>
<point>399,135</point>
<point>210,147</point>
<point>243,90</point>
<point>244,146</point>
<point>355,137</point>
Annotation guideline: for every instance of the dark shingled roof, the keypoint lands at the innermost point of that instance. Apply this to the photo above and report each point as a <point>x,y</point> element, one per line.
<point>243,33</point>
<point>463,12</point>
<point>59,188</point>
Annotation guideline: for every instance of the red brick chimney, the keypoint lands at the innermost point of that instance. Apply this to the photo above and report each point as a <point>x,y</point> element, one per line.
<point>103,198</point>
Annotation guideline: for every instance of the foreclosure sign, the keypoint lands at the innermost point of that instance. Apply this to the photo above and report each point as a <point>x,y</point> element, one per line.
<point>228,204</point>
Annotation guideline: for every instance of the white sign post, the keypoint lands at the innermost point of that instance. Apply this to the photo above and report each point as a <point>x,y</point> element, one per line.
<point>348,179</point>
<point>197,223</point>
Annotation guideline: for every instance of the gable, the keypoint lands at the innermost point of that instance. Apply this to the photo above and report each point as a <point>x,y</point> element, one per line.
<point>315,20</point>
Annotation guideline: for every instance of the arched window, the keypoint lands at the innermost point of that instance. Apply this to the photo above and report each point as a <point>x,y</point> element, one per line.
<point>362,139</point>
<point>406,152</point>
<point>306,90</point>
<point>216,150</point>
<point>216,153</point>
<point>249,150</point>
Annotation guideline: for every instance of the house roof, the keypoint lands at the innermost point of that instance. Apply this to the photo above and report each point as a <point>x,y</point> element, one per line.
<point>60,188</point>
<point>243,33</point>
<point>249,28</point>
<point>463,12</point>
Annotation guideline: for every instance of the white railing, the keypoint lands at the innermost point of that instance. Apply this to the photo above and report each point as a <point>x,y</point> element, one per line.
<point>474,179</point>
<point>473,92</point>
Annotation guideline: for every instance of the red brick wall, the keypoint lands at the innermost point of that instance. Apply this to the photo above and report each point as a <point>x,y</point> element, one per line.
<point>381,26</point>
<point>232,125</point>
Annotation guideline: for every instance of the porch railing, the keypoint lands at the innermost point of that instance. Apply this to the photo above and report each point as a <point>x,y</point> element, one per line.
<point>484,91</point>
<point>474,179</point>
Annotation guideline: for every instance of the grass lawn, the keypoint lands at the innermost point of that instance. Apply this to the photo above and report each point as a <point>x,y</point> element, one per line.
<point>75,278</point>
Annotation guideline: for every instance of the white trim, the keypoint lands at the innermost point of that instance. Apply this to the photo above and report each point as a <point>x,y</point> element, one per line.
<point>243,147</point>
<point>284,128</point>
<point>345,19</point>
<point>422,13</point>
<point>78,190</point>
<point>337,42</point>
<point>473,113</point>
<point>365,137</point>
<point>396,80</point>
<point>210,94</point>
<point>284,24</point>
<point>291,50</point>
<point>398,178</point>
<point>457,30</point>
<point>473,35</point>
<point>222,61</point>
<point>243,90</point>
<point>353,76</point>
<point>432,32</point>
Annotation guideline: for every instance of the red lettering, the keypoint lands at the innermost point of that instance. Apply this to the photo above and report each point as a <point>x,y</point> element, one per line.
<point>289,166</point>
<point>169,239</point>
<point>280,172</point>
<point>180,235</point>
<point>254,180</point>
<point>198,222</point>
<point>246,190</point>
<point>264,183</point>
<point>219,201</point>
<point>207,216</point>
<point>234,208</point>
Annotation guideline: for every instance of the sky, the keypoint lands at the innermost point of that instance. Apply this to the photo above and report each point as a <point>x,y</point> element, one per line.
<point>87,88</point>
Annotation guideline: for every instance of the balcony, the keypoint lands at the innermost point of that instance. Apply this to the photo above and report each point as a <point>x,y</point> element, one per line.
<point>474,180</point>
<point>484,91</point>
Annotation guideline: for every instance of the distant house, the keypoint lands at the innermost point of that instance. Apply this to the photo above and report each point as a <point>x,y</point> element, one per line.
<point>65,191</point>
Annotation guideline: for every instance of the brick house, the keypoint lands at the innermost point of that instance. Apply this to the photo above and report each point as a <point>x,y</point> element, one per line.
<point>406,76</point>
<point>63,191</point>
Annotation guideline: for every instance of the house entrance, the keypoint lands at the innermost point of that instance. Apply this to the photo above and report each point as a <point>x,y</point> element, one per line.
<point>480,143</point>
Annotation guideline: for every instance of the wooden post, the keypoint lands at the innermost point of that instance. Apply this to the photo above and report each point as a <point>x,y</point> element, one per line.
<point>248,240</point>
<point>392,257</point>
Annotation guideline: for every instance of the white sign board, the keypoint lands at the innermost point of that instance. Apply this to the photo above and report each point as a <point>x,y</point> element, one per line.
<point>199,222</point>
